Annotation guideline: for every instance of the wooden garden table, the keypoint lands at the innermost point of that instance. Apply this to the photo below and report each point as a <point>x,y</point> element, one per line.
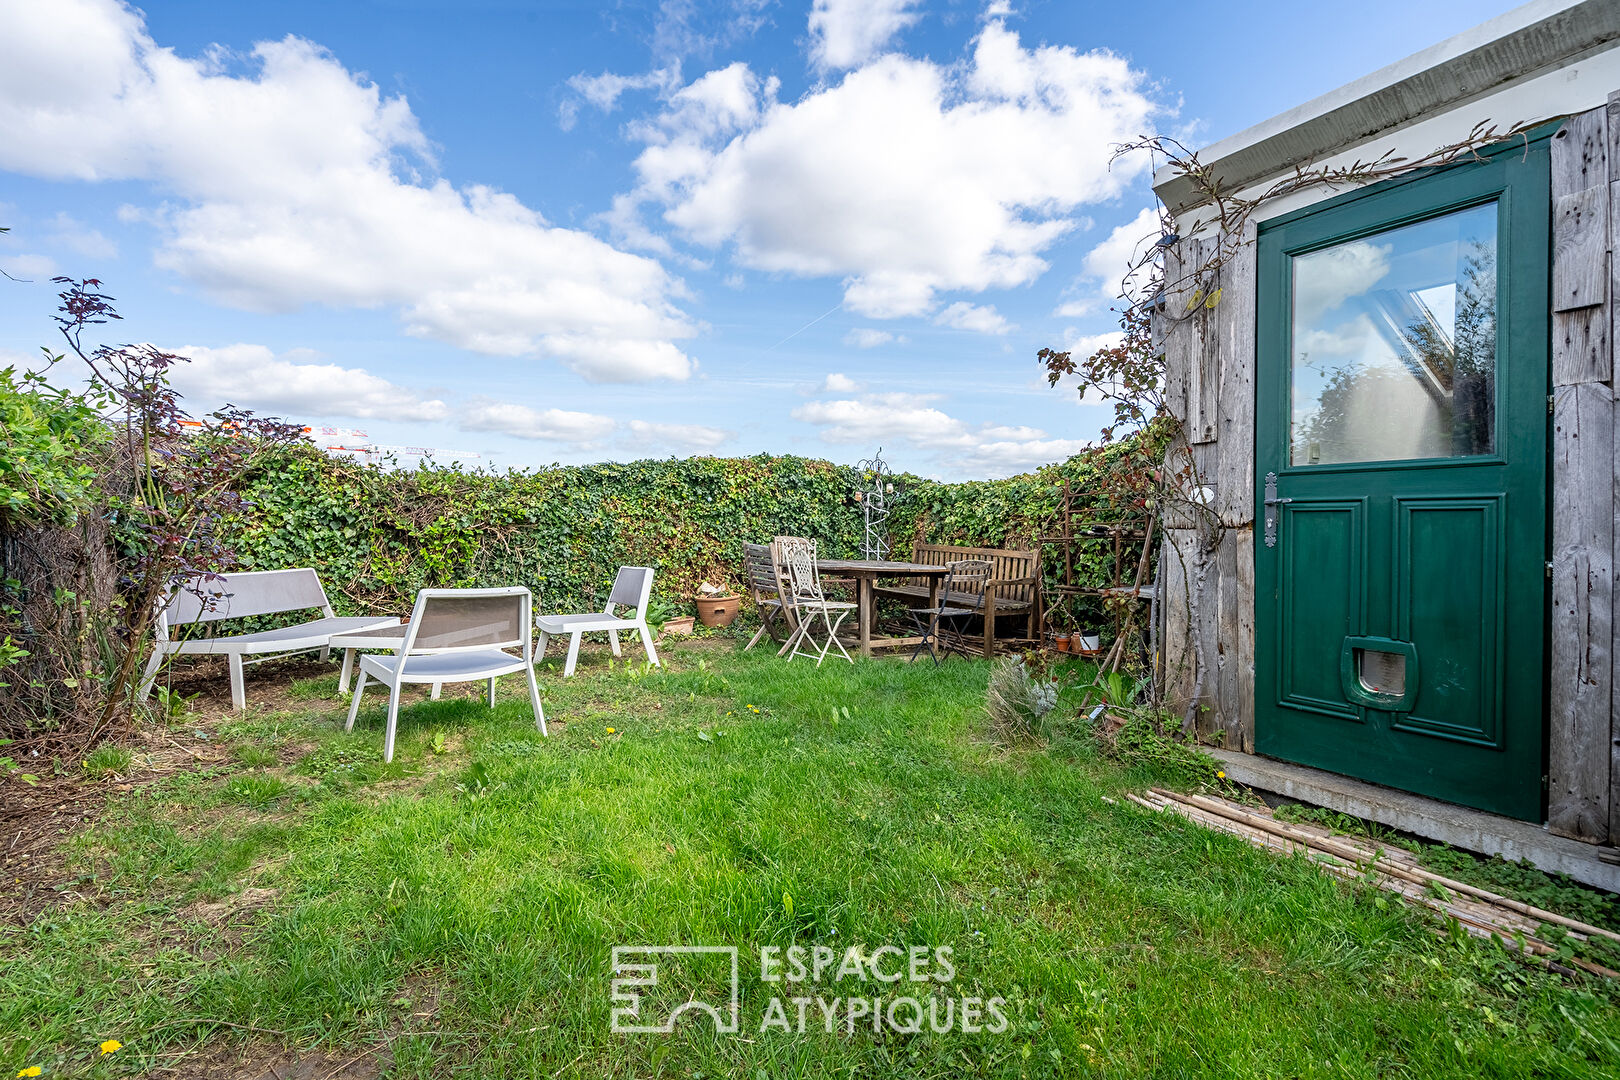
<point>866,572</point>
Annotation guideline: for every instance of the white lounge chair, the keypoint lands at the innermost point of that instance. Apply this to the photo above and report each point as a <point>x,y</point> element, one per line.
<point>631,588</point>
<point>198,600</point>
<point>455,635</point>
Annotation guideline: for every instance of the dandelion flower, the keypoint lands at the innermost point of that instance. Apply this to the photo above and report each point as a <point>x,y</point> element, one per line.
<point>111,1045</point>
<point>32,1070</point>
<point>612,731</point>
<point>1220,775</point>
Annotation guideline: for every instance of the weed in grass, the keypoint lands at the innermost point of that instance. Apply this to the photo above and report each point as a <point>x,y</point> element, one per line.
<point>109,760</point>
<point>170,704</point>
<point>1148,741</point>
<point>341,759</point>
<point>254,756</point>
<point>322,688</point>
<point>254,789</point>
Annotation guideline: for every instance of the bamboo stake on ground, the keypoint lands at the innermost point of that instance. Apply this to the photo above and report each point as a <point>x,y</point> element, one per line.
<point>1506,923</point>
<point>1258,821</point>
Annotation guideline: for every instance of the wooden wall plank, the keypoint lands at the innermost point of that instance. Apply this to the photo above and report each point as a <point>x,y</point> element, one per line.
<point>1206,606</point>
<point>1179,657</point>
<point>1203,404</point>
<point>1580,668</point>
<point>1612,122</point>
<point>1224,651</point>
<point>1580,153</point>
<point>1580,225</point>
<point>1177,347</point>
<point>1614,617</point>
<point>1581,672</point>
<point>1581,346</point>
<point>1244,704</point>
<point>1235,329</point>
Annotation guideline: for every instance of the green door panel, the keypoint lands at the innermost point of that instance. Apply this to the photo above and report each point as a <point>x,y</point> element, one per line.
<point>1402,373</point>
<point>1448,596</point>
<point>1317,617</point>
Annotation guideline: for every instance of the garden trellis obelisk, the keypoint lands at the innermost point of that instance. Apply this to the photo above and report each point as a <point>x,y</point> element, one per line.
<point>875,505</point>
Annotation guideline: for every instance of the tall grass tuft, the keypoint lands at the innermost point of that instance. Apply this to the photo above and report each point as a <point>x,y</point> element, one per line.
<point>1020,703</point>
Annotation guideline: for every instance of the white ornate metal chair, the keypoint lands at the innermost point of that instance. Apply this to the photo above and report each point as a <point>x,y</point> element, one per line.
<point>456,635</point>
<point>631,588</point>
<point>809,603</point>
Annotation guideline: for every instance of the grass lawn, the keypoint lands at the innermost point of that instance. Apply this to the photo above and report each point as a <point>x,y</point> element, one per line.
<point>454,913</point>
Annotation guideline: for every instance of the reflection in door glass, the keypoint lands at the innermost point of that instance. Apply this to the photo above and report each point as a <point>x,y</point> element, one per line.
<point>1394,343</point>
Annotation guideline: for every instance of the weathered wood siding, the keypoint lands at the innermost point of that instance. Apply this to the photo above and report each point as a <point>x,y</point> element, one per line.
<point>1208,564</point>
<point>1208,580</point>
<point>1581,675</point>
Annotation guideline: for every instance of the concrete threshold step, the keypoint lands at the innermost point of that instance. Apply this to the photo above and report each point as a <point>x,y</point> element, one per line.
<point>1459,826</point>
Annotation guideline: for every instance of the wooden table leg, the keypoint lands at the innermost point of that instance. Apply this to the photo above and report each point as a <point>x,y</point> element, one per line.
<point>863,600</point>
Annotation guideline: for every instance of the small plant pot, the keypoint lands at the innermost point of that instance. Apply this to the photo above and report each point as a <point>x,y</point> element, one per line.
<point>718,610</point>
<point>681,627</point>
<point>1062,643</point>
<point>1087,644</point>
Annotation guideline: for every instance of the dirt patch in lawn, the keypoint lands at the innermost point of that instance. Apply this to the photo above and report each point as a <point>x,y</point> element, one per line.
<point>258,1061</point>
<point>37,820</point>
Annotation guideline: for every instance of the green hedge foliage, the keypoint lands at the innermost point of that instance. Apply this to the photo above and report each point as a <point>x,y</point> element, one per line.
<point>377,536</point>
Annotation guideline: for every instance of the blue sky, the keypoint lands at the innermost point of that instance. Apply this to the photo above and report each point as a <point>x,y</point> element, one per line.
<point>563,232</point>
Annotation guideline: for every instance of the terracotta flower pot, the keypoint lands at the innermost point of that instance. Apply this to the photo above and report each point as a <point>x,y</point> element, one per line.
<point>718,610</point>
<point>1061,643</point>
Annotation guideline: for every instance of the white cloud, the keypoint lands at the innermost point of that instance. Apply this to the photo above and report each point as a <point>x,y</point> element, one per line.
<point>297,182</point>
<point>254,377</point>
<point>691,438</point>
<point>29,267</point>
<point>837,382</point>
<point>76,236</point>
<point>907,178</point>
<point>550,425</point>
<point>916,420</point>
<point>980,320</point>
<point>847,33</point>
<point>1117,264</point>
<point>866,337</point>
<point>604,90</point>
<point>1083,345</point>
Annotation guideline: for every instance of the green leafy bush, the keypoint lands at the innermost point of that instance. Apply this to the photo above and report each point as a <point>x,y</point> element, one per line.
<point>47,438</point>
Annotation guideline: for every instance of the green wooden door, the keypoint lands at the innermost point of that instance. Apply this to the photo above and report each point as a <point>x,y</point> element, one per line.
<point>1401,476</point>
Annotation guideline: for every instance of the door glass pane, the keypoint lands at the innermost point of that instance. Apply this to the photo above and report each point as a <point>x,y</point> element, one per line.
<point>1394,343</point>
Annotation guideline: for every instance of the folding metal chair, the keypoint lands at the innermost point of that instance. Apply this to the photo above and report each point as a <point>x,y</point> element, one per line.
<point>948,614</point>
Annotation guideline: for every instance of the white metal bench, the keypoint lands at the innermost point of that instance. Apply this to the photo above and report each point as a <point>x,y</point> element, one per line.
<point>196,601</point>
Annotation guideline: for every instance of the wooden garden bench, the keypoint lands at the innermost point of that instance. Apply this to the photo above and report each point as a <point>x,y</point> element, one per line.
<point>1013,588</point>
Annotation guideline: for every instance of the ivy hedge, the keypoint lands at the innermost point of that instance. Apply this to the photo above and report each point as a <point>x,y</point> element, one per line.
<point>377,536</point>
